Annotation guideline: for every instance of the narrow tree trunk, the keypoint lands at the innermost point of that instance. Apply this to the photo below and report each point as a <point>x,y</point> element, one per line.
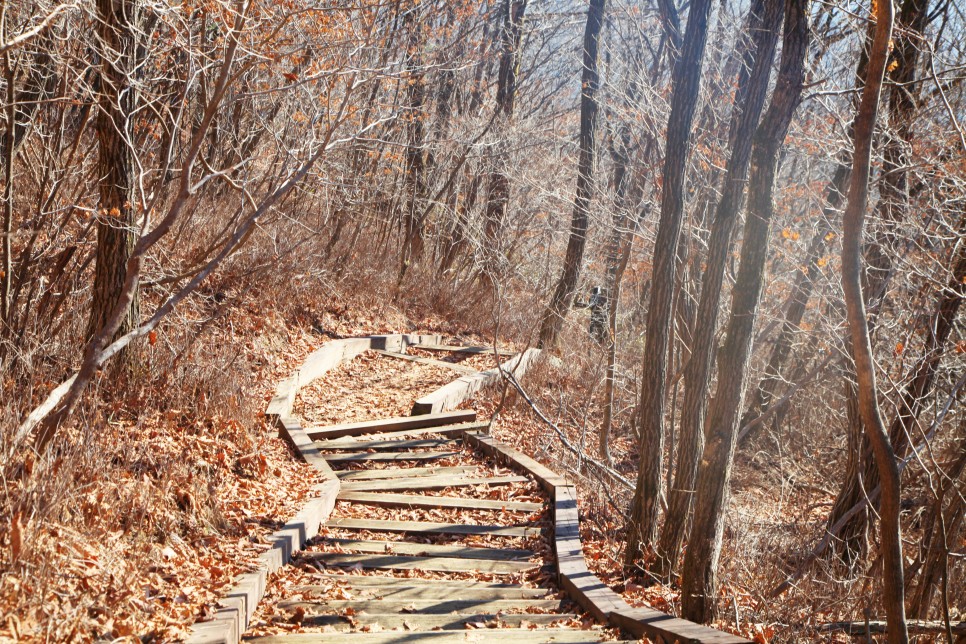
<point>117,217</point>
<point>942,527</point>
<point>650,417</point>
<point>861,472</point>
<point>563,295</point>
<point>415,183</point>
<point>700,584</point>
<point>764,24</point>
<point>498,185</point>
<point>6,267</point>
<point>853,222</point>
<point>764,394</point>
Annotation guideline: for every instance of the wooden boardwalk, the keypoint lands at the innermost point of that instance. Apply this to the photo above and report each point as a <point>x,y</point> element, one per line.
<point>438,534</point>
<point>387,565</point>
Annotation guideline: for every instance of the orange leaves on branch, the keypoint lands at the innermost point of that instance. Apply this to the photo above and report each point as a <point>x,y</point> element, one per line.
<point>152,338</point>
<point>900,347</point>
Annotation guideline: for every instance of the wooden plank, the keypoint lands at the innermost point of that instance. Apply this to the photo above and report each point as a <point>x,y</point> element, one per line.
<point>237,606</point>
<point>457,622</point>
<point>403,472</point>
<point>647,622</point>
<point>347,457</point>
<point>463,349</point>
<point>422,550</point>
<point>429,483</point>
<point>582,585</point>
<point>422,606</point>
<point>391,424</point>
<point>432,527</point>
<point>400,588</point>
<point>343,443</point>
<point>452,395</point>
<point>436,564</point>
<point>454,430</point>
<point>422,501</point>
<point>407,584</point>
<point>507,455</point>
<point>458,368</point>
<point>479,636</point>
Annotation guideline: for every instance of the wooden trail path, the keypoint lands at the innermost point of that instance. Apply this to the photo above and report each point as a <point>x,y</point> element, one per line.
<point>431,531</point>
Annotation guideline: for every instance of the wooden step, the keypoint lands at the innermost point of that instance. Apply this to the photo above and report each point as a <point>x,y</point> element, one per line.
<point>348,457</point>
<point>403,472</point>
<point>391,424</point>
<point>422,607</point>
<point>463,349</point>
<point>459,622</point>
<point>423,501</point>
<point>430,483</point>
<point>430,527</point>
<point>480,636</point>
<point>421,549</point>
<point>404,562</point>
<point>458,368</point>
<point>377,587</point>
<point>387,581</point>
<point>453,431</point>
<point>349,443</point>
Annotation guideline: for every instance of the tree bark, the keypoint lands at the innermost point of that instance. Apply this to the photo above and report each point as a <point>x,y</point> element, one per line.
<point>650,417</point>
<point>416,161</point>
<point>861,472</point>
<point>117,216</point>
<point>853,222</point>
<point>942,527</point>
<point>700,584</point>
<point>563,295</point>
<point>761,38</point>
<point>498,184</point>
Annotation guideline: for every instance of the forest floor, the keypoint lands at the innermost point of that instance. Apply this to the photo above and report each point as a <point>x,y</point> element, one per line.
<point>176,504</point>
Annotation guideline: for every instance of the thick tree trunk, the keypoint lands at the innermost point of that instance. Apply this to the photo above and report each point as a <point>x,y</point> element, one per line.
<point>563,295</point>
<point>700,584</point>
<point>853,222</point>
<point>650,417</point>
<point>117,217</point>
<point>764,24</point>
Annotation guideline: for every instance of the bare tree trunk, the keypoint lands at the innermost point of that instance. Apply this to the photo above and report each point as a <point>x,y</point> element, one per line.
<point>498,185</point>
<point>764,394</point>
<point>415,78</point>
<point>650,417</point>
<point>563,295</point>
<point>6,267</point>
<point>941,528</point>
<point>861,471</point>
<point>700,583</point>
<point>764,24</point>
<point>117,217</point>
<point>853,221</point>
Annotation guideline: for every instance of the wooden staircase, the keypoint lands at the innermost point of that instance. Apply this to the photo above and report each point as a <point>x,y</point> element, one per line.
<point>368,593</point>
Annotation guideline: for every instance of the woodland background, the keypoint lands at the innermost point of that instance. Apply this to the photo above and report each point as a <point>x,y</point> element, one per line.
<point>197,193</point>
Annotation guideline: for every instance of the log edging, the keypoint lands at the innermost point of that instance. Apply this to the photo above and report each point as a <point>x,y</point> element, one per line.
<point>576,579</point>
<point>237,605</point>
<point>452,395</point>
